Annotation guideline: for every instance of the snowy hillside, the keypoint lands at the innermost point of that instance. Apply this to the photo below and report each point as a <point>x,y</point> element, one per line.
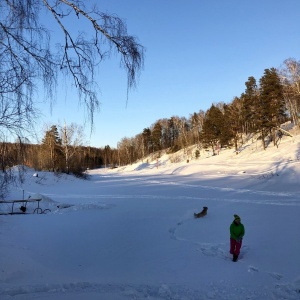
<point>129,233</point>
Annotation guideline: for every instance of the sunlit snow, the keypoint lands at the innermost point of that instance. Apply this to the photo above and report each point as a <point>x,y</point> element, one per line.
<point>129,232</point>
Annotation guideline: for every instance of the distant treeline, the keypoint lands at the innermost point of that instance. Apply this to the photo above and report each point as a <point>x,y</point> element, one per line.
<point>259,110</point>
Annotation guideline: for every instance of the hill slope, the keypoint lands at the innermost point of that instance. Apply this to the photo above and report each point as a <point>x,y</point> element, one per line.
<point>129,233</point>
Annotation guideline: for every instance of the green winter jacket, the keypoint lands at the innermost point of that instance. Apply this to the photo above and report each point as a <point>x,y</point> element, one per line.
<point>237,231</point>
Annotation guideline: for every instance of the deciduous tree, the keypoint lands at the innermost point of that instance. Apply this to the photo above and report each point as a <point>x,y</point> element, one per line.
<point>28,56</point>
<point>290,78</point>
<point>71,137</point>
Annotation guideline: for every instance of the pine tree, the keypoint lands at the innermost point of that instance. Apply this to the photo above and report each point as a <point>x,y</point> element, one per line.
<point>147,142</point>
<point>233,118</point>
<point>195,128</point>
<point>173,131</point>
<point>249,105</point>
<point>156,136</point>
<point>51,145</point>
<point>212,128</point>
<point>272,110</point>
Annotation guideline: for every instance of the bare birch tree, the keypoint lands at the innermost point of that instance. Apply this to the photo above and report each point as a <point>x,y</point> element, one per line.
<point>290,78</point>
<point>71,140</point>
<point>28,57</point>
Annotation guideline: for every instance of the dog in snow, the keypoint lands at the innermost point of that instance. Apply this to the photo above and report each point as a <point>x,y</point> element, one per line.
<point>202,213</point>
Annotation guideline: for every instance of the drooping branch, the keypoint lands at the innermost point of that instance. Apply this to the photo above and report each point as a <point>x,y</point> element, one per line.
<point>27,56</point>
<point>81,56</point>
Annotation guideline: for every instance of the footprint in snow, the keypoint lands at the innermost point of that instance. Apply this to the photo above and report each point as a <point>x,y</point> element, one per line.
<point>215,251</point>
<point>172,233</point>
<point>276,275</point>
<point>252,269</point>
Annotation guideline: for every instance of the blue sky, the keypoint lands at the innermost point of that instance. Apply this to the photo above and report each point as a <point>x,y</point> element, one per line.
<point>197,53</point>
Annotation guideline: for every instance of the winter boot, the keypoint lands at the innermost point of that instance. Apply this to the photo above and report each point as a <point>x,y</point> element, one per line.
<point>235,258</point>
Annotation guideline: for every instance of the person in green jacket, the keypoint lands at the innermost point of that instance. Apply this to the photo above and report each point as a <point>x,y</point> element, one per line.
<point>237,232</point>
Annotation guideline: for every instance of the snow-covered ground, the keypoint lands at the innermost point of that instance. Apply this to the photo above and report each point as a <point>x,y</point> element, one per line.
<point>129,233</point>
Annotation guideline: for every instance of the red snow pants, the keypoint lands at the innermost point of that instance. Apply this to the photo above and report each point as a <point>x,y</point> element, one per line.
<point>235,246</point>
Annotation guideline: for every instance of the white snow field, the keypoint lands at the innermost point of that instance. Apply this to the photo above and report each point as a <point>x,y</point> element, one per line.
<point>129,233</point>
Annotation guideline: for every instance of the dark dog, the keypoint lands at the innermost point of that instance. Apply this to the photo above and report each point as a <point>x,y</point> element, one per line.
<point>23,209</point>
<point>202,213</point>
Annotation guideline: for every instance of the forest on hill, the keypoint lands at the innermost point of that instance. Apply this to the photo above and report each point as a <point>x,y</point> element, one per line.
<point>259,111</point>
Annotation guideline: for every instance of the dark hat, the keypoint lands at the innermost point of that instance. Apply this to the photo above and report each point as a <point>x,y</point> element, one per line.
<point>237,218</point>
